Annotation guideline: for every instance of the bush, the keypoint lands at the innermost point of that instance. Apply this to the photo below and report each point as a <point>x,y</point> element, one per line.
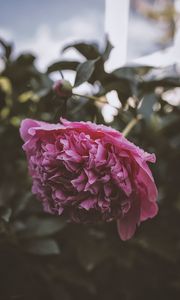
<point>43,257</point>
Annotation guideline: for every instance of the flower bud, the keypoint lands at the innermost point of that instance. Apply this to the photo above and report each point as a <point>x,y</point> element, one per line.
<point>62,88</point>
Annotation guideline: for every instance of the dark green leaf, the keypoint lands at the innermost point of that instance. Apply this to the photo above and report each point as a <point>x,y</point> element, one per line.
<point>90,51</point>
<point>26,59</point>
<point>84,71</point>
<point>42,247</point>
<point>7,48</point>
<point>40,227</point>
<point>77,278</point>
<point>5,213</point>
<point>131,72</point>
<point>166,77</point>
<point>146,108</point>
<point>162,73</point>
<point>107,50</point>
<point>63,65</point>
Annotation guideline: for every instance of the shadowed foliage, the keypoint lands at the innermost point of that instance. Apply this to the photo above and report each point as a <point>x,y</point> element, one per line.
<point>43,257</point>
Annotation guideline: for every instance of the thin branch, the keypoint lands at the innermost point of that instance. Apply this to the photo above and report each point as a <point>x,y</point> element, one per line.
<point>86,96</point>
<point>101,99</point>
<point>61,73</point>
<point>131,124</point>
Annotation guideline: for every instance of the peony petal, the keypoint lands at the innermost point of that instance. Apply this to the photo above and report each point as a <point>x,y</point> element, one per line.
<point>88,204</point>
<point>25,126</point>
<point>127,224</point>
<point>145,176</point>
<point>148,210</point>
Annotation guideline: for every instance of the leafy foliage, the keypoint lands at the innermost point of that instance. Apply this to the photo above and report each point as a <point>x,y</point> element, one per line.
<point>43,257</point>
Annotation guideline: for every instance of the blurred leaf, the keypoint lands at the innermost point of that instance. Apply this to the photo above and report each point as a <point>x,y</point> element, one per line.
<point>90,51</point>
<point>4,113</point>
<point>131,73</point>
<point>84,71</point>
<point>5,213</point>
<point>157,74</point>
<point>29,95</point>
<point>42,247</point>
<point>7,48</point>
<point>91,250</point>
<point>107,50</point>
<point>15,121</point>
<point>166,77</point>
<point>63,65</point>
<point>77,278</point>
<point>40,227</point>
<point>26,59</point>
<point>146,108</point>
<point>5,85</point>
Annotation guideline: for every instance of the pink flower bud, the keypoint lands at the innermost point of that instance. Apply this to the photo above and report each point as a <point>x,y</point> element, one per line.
<point>62,88</point>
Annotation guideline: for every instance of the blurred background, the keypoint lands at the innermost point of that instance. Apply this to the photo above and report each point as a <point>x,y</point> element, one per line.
<point>45,28</point>
<point>41,256</point>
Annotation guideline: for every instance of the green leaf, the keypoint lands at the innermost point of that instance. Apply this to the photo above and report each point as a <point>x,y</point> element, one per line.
<point>5,213</point>
<point>157,74</point>
<point>90,51</point>
<point>7,48</point>
<point>84,71</point>
<point>146,108</point>
<point>63,65</point>
<point>91,250</point>
<point>42,247</point>
<point>40,227</point>
<point>131,72</point>
<point>26,59</point>
<point>166,77</point>
<point>107,50</point>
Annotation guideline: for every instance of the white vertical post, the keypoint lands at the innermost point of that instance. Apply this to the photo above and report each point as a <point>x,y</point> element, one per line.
<point>116,28</point>
<point>177,34</point>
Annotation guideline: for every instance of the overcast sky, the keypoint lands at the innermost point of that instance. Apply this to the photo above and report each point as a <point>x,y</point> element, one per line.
<point>25,16</point>
<point>45,26</point>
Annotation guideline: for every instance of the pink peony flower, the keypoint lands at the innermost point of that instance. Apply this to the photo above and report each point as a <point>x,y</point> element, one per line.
<point>89,173</point>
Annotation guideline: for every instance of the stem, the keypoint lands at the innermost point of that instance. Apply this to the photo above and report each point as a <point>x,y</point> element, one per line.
<point>101,99</point>
<point>61,73</point>
<point>86,96</point>
<point>130,125</point>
